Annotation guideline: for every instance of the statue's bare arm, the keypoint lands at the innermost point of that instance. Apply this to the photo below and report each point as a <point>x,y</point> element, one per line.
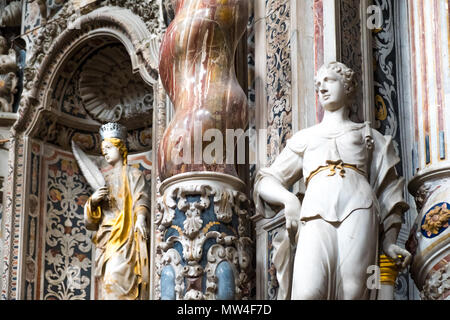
<point>272,191</point>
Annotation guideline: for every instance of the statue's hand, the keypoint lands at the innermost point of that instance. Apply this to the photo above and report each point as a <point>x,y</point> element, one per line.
<point>292,215</point>
<point>141,226</point>
<point>394,251</point>
<point>99,195</point>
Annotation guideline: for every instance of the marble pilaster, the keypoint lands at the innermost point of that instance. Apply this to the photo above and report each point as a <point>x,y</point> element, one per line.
<point>430,235</point>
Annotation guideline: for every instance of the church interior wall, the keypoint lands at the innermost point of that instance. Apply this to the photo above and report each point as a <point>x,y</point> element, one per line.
<point>61,68</point>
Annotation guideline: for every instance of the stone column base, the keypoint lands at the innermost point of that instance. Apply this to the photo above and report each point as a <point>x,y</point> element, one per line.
<point>205,247</point>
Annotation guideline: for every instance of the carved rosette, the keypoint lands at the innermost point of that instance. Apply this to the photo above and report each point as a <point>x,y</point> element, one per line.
<point>204,250</point>
<point>429,240</point>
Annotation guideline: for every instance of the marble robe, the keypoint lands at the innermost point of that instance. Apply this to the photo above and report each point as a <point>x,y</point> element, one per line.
<point>342,215</point>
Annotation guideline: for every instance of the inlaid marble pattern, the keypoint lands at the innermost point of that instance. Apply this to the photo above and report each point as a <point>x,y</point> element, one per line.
<point>66,267</point>
<point>33,222</point>
<point>318,48</point>
<point>278,76</point>
<point>251,90</point>
<point>351,52</point>
<point>385,77</point>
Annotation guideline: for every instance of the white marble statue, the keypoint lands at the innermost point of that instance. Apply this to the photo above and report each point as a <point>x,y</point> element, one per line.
<point>353,200</point>
<point>8,77</point>
<point>118,211</point>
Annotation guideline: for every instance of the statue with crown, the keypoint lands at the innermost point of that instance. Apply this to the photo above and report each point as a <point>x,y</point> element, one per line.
<point>118,212</point>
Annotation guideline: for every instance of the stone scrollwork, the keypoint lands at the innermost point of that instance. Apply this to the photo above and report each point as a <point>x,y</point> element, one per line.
<point>429,237</point>
<point>171,260</point>
<point>209,221</point>
<point>437,285</point>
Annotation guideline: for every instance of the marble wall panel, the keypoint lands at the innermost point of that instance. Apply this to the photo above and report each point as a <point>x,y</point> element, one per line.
<point>278,76</point>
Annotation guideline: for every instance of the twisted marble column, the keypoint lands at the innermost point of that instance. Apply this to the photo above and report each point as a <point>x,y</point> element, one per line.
<point>197,71</point>
<point>204,249</point>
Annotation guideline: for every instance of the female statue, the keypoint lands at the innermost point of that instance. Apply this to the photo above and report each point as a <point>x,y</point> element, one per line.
<point>353,199</point>
<point>118,212</point>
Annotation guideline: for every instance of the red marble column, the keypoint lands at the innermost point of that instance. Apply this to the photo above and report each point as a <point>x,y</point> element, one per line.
<point>198,72</point>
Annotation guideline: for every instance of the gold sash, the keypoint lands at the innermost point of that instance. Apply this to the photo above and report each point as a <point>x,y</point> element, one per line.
<point>333,166</point>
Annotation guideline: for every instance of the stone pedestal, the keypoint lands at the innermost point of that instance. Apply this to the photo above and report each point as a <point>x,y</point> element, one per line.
<point>204,243</point>
<point>430,236</point>
<point>430,71</point>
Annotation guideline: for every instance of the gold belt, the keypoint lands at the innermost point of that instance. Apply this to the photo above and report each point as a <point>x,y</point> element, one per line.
<point>333,166</point>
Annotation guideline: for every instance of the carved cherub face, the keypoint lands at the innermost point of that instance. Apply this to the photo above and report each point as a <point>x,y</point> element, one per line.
<point>111,153</point>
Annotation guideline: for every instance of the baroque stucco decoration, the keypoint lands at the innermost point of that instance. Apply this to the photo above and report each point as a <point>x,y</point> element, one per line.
<point>53,43</point>
<point>8,76</point>
<point>203,207</point>
<point>430,235</point>
<point>110,91</point>
<point>56,41</point>
<point>11,15</point>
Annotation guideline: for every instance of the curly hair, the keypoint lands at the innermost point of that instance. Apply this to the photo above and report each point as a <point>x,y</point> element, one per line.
<point>347,75</point>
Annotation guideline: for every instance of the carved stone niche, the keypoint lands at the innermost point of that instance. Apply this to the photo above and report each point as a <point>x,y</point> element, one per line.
<point>110,91</point>
<point>98,85</point>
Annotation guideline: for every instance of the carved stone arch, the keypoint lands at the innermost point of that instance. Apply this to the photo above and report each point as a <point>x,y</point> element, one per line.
<point>122,24</point>
<point>25,210</point>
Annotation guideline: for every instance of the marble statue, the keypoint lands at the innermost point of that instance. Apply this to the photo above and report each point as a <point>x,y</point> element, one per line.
<point>11,15</point>
<point>118,211</point>
<point>352,207</point>
<point>8,77</point>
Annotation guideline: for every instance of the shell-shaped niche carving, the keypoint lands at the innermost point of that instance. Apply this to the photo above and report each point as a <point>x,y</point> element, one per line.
<point>109,90</point>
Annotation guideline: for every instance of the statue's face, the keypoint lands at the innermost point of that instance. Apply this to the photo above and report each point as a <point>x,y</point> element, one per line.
<point>331,90</point>
<point>111,153</point>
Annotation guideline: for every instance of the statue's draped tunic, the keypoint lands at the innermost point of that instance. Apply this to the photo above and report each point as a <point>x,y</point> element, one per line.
<point>352,194</point>
<point>121,258</point>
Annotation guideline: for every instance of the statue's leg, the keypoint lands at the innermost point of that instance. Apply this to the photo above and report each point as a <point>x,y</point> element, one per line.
<point>315,262</point>
<point>357,241</point>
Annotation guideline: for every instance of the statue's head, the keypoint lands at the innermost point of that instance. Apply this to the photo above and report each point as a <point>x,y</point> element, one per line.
<point>114,137</point>
<point>335,83</point>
